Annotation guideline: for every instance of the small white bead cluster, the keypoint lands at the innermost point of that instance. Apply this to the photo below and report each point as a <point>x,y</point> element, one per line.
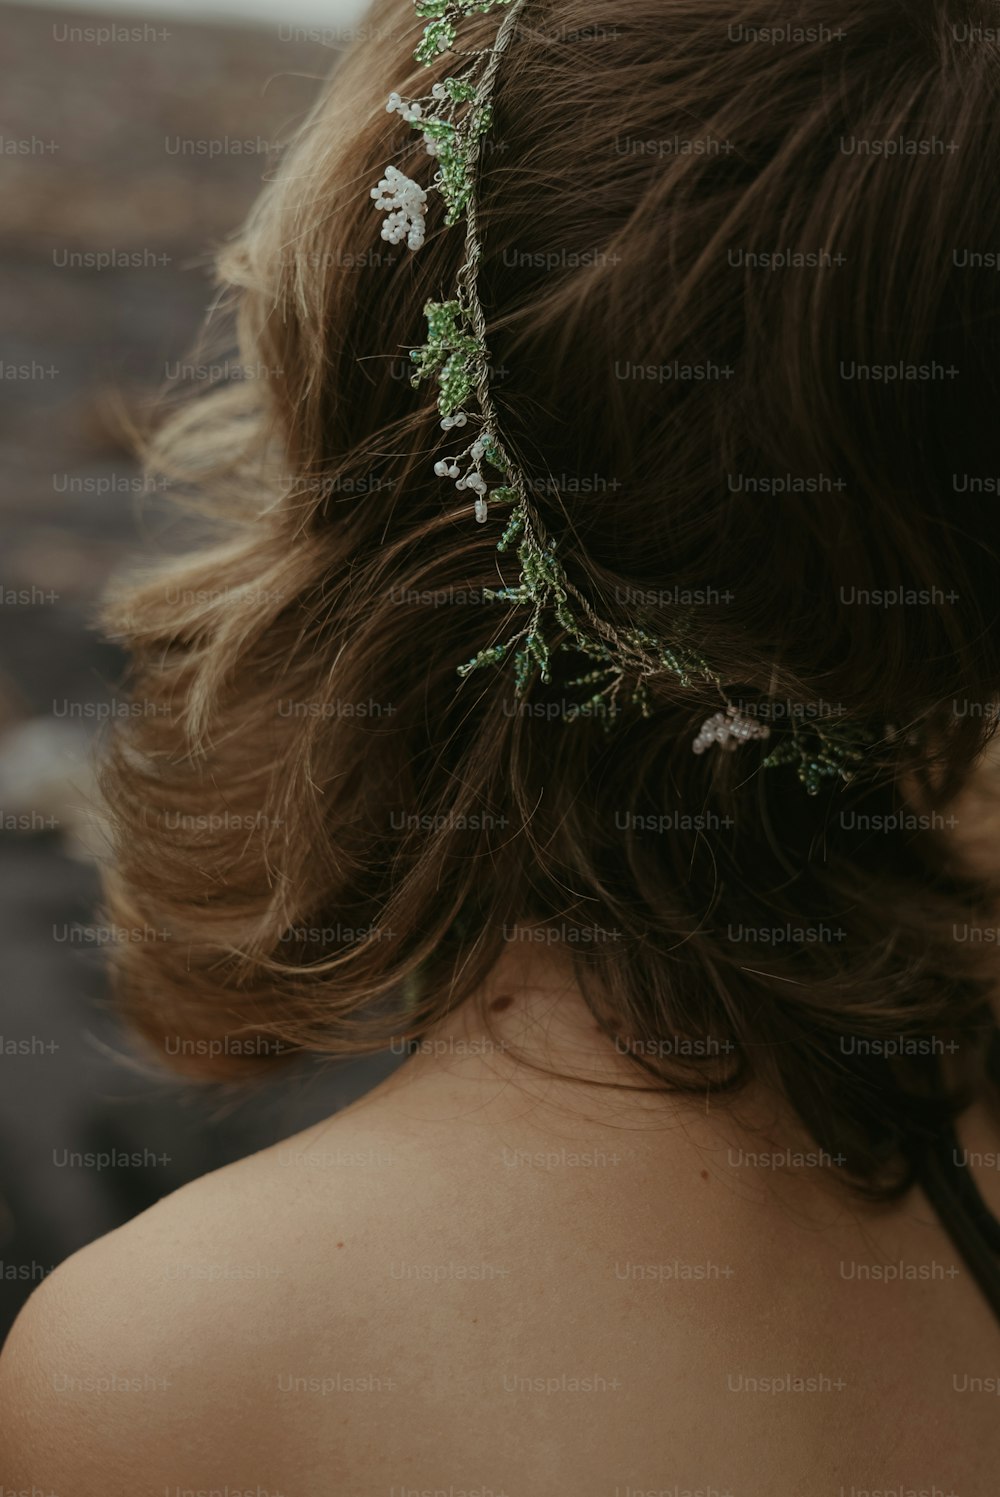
<point>398,105</point>
<point>728,729</point>
<point>405,203</point>
<point>431,146</point>
<point>413,113</point>
<point>472,478</point>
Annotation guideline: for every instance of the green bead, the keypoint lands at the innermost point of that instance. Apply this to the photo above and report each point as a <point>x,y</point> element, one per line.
<point>438,37</point>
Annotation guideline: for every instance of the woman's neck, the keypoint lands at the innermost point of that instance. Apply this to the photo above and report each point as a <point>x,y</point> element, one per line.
<point>526,1046</point>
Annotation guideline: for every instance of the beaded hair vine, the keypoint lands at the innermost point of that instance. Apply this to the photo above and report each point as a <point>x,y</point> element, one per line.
<point>453,120</point>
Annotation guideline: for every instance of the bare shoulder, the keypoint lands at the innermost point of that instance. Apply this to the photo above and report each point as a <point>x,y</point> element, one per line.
<point>382,1293</point>
<point>159,1356</point>
<point>262,1326</point>
<point>454,1284</point>
<point>266,1325</point>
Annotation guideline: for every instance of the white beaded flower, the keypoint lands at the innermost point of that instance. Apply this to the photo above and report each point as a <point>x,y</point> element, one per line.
<point>473,478</point>
<point>728,729</point>
<point>413,114</point>
<point>405,202</point>
<point>407,111</point>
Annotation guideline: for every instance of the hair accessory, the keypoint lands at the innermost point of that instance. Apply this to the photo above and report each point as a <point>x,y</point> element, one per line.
<point>728,729</point>
<point>452,120</point>
<point>404,202</point>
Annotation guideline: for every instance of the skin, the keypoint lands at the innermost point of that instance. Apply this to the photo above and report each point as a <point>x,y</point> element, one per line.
<point>473,1225</point>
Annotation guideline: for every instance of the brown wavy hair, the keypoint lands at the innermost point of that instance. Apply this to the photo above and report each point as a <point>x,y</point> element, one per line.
<point>327,836</point>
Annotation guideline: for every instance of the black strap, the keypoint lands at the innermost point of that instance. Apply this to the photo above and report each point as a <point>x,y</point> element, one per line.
<point>965,1216</point>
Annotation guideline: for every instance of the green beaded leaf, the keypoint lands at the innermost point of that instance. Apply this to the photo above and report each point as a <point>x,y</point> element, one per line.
<point>438,37</point>
<point>442,131</point>
<point>821,752</point>
<point>453,179</point>
<point>492,655</point>
<point>454,184</point>
<point>443,17</point>
<point>449,355</point>
<point>456,383</point>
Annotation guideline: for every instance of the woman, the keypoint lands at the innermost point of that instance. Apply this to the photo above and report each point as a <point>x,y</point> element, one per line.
<point>589,700</point>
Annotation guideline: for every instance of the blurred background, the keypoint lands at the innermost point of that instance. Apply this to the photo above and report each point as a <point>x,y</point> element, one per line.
<point>132,141</point>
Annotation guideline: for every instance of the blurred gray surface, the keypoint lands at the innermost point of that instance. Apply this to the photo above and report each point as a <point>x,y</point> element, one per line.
<point>84,170</point>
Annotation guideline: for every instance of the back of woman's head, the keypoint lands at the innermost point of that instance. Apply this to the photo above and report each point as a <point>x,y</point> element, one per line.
<point>740,273</point>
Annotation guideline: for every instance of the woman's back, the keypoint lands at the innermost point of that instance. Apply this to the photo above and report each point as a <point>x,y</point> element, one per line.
<point>481,1280</point>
